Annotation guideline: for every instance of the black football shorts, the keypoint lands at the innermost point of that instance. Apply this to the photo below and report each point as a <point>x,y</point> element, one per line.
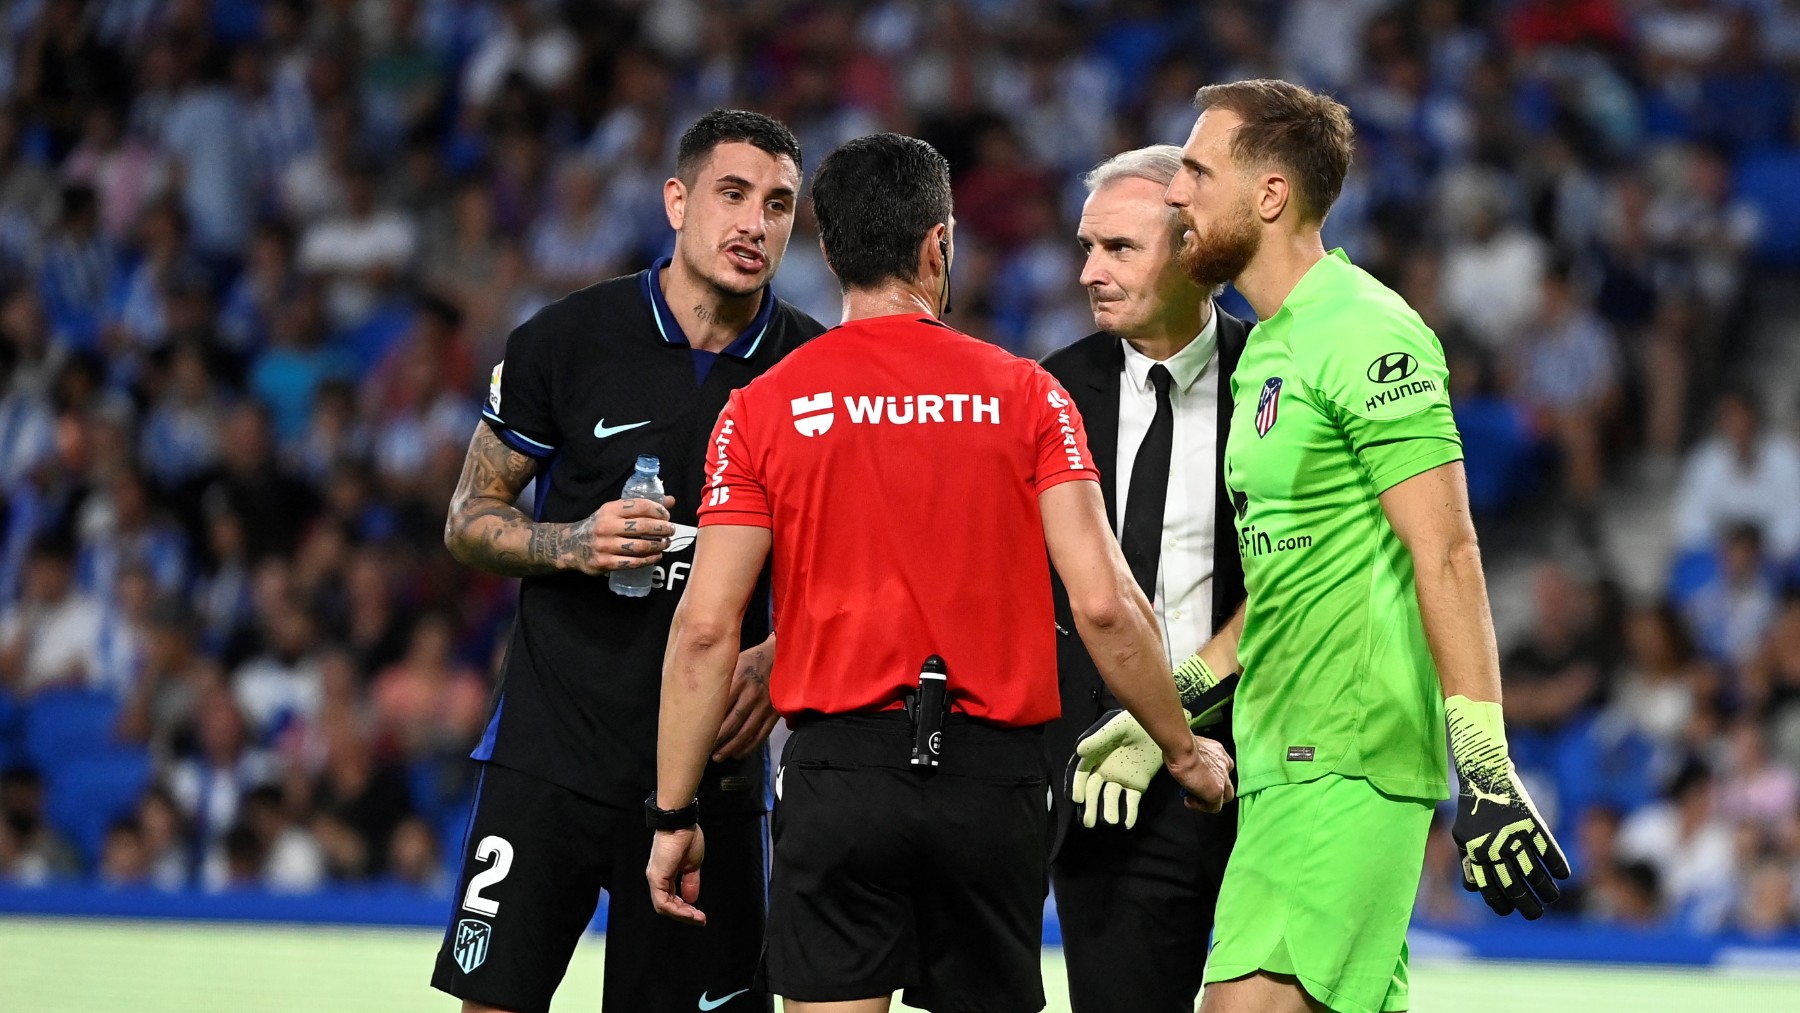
<point>886,877</point>
<point>536,859</point>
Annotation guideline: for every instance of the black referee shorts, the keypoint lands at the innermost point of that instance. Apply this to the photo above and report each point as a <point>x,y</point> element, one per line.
<point>538,856</point>
<point>887,877</point>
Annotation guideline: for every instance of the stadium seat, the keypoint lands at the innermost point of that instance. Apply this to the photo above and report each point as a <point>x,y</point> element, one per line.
<point>88,792</point>
<point>66,724</point>
<point>1767,182</point>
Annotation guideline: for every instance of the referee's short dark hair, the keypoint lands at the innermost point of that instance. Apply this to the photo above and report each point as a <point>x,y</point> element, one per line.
<point>723,126</point>
<point>876,197</point>
<point>1307,134</point>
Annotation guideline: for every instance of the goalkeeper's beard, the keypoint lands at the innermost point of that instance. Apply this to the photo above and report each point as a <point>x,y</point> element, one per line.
<point>1221,253</point>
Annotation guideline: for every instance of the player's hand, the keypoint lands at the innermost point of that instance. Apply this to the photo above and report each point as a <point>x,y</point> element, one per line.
<point>1113,764</point>
<point>752,717</point>
<point>1508,854</point>
<point>674,874</point>
<point>622,535</point>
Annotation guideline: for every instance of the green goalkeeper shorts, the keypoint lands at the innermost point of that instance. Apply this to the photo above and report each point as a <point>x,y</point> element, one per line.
<point>1320,885</point>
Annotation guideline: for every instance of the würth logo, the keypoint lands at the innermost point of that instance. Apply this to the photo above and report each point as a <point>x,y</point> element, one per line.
<point>1392,368</point>
<point>813,415</point>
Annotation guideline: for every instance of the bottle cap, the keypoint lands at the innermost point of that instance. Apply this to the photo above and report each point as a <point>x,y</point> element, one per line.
<point>649,463</point>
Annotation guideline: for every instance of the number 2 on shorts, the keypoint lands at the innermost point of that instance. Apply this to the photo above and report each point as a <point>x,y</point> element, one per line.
<point>501,851</point>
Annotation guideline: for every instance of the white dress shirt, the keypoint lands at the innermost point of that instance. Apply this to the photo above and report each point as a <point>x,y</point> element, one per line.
<point>1184,574</point>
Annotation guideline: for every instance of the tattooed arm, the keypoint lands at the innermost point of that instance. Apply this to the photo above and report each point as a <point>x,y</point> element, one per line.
<point>487,531</point>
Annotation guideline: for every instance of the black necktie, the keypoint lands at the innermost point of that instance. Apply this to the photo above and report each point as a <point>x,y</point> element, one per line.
<point>1142,540</point>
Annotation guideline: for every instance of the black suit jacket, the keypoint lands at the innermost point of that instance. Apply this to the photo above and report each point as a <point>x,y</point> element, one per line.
<point>1089,370</point>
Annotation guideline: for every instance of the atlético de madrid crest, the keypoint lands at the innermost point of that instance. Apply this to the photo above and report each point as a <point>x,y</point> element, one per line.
<point>1267,404</point>
<point>471,946</point>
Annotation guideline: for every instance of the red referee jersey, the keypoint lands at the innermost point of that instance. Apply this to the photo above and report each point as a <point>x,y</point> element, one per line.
<point>898,463</point>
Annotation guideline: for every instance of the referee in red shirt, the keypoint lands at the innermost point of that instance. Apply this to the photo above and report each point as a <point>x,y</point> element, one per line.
<point>906,478</point>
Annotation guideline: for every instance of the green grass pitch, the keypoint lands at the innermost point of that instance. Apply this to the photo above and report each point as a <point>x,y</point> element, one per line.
<point>71,966</point>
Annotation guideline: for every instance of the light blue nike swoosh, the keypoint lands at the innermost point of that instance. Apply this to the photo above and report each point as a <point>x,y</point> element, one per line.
<point>705,1003</point>
<point>602,430</point>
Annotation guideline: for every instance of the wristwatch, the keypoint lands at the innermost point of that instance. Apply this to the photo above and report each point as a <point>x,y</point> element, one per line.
<point>657,818</point>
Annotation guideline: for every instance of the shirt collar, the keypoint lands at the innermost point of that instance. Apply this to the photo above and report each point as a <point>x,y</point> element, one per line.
<point>1185,366</point>
<point>741,347</point>
<point>1328,270</point>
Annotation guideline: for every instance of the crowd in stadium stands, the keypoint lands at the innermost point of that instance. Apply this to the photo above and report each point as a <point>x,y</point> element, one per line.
<point>257,258</point>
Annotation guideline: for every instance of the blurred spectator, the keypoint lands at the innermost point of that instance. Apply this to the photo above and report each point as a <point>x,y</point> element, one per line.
<point>573,242</point>
<point>180,438</point>
<point>413,859</point>
<point>1496,434</point>
<point>165,266</point>
<point>1556,677</point>
<point>282,688</point>
<point>286,858</point>
<point>1766,906</point>
<point>48,638</point>
<point>203,132</point>
<point>164,833</point>
<point>1731,612</point>
<point>1492,279</point>
<point>124,858</point>
<point>429,703</point>
<point>369,799</point>
<point>80,269</point>
<point>209,787</point>
<point>159,710</point>
<point>1566,371</point>
<point>360,254</point>
<point>1660,688</point>
<point>1744,474</point>
<point>262,293</point>
<point>1689,844</point>
<point>298,360</point>
<point>25,423</point>
<point>543,52</point>
<point>251,484</point>
<point>31,851</point>
<point>1757,791</point>
<point>120,529</point>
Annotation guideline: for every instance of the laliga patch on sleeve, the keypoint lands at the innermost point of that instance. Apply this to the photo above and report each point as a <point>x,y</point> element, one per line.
<point>493,399</point>
<point>1300,754</point>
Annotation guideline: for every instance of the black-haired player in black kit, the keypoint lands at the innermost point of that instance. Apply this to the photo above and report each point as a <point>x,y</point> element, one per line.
<point>640,364</point>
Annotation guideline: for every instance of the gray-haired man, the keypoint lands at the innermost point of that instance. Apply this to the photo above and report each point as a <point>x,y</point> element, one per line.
<point>1136,885</point>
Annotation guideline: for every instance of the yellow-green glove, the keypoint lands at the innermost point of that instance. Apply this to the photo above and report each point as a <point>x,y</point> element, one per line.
<point>1508,854</point>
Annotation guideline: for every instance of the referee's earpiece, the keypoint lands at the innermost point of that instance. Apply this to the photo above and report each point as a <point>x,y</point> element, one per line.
<point>944,251</point>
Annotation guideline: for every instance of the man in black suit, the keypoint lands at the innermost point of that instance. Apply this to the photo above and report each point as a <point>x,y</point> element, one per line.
<point>1135,892</point>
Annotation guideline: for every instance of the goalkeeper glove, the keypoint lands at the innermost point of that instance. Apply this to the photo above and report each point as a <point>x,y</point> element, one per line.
<point>1115,759</point>
<point>1508,854</point>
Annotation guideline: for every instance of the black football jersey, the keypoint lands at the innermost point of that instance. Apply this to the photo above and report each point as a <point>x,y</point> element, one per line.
<point>589,383</point>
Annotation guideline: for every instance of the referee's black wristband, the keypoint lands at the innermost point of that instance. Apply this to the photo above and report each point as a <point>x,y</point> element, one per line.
<point>658,818</point>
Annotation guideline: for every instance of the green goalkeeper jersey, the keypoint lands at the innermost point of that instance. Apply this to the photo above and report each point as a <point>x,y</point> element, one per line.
<point>1339,396</point>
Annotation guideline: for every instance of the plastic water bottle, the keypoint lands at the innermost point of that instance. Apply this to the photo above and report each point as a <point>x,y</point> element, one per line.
<point>645,483</point>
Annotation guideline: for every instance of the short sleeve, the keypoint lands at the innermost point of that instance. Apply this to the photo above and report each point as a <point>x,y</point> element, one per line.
<point>1385,383</point>
<point>734,492</point>
<point>1062,450</point>
<point>518,406</point>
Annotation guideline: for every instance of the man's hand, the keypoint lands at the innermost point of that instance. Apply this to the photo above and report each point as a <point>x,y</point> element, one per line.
<point>1508,854</point>
<point>674,874</point>
<point>1205,776</point>
<point>1115,760</point>
<point>624,534</point>
<point>752,717</point>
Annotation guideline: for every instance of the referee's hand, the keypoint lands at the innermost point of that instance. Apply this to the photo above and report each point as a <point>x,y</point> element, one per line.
<point>1205,774</point>
<point>674,874</point>
<point>622,535</point>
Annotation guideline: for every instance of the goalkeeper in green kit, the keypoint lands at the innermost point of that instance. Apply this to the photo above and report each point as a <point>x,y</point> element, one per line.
<point>1367,627</point>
